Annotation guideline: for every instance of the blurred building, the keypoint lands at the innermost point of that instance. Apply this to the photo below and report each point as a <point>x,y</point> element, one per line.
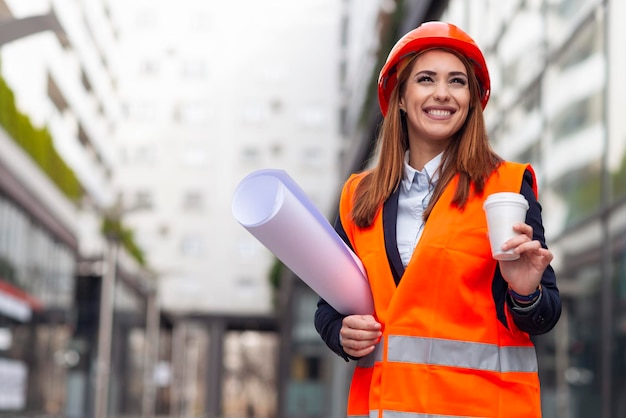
<point>74,302</point>
<point>149,113</point>
<point>155,111</point>
<point>556,100</point>
<point>210,92</point>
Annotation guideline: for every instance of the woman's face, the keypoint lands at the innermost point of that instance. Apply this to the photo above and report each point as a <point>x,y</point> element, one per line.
<point>436,98</point>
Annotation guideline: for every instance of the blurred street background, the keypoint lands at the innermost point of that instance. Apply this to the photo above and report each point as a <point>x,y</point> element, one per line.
<point>128,290</point>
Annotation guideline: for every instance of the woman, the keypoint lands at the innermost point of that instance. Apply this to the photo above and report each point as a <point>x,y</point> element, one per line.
<point>450,335</point>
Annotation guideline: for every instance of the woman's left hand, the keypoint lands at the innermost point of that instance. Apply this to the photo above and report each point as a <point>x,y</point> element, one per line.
<point>524,274</point>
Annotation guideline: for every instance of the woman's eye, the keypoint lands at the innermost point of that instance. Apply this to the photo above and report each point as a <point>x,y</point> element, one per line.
<point>424,79</point>
<point>459,80</point>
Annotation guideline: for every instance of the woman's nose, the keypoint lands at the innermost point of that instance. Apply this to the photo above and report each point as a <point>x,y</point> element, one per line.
<point>441,92</point>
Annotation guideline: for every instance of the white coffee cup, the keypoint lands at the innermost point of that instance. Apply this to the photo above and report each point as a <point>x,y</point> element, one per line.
<point>503,210</point>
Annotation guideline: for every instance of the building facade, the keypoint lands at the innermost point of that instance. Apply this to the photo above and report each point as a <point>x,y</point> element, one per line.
<point>164,106</point>
<point>38,254</point>
<point>555,104</point>
<point>58,108</point>
<point>212,91</point>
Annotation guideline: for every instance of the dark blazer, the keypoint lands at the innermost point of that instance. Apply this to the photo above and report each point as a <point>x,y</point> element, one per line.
<point>539,319</point>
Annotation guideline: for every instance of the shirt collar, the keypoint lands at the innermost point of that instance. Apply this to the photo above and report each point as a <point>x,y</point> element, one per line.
<point>430,169</point>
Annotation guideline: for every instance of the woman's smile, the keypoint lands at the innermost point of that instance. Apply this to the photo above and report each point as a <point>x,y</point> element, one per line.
<point>437,113</point>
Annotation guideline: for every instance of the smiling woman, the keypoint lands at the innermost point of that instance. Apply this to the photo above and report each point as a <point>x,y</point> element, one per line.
<point>448,316</point>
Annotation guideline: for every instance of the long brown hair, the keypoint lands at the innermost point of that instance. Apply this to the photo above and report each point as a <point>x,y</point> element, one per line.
<point>469,155</point>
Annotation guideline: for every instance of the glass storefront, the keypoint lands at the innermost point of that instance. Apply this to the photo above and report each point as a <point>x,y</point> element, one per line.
<point>128,351</point>
<point>580,371</point>
<point>552,94</point>
<point>619,330</point>
<point>575,94</point>
<point>33,260</point>
<point>36,297</point>
<point>574,88</point>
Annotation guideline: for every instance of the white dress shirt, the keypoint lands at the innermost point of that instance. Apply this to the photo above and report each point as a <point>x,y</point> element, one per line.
<point>416,188</point>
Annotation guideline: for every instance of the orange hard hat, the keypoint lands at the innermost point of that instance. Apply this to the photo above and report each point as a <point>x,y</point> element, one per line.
<point>432,35</point>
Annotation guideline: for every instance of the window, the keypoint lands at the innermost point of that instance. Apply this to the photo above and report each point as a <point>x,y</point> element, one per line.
<point>521,50</point>
<point>276,149</point>
<point>194,69</point>
<point>193,201</point>
<point>312,117</point>
<point>192,245</point>
<point>578,115</point>
<point>247,287</point>
<point>254,115</point>
<point>276,105</point>
<point>247,248</point>
<point>581,191</point>
<point>149,68</point>
<point>193,112</point>
<point>144,199</point>
<point>194,157</point>
<point>36,262</point>
<point>251,155</point>
<point>145,154</point>
<point>584,44</point>
<point>564,17</point>
<point>313,157</point>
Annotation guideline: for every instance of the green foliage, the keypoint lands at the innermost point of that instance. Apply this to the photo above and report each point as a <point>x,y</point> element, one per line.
<point>36,142</point>
<point>275,274</point>
<point>39,145</point>
<point>113,229</point>
<point>391,33</point>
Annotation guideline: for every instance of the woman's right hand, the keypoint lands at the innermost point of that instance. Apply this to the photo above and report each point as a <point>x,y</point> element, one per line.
<point>359,334</point>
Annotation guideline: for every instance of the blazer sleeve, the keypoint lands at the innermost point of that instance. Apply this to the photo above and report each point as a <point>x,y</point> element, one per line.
<point>543,316</point>
<point>327,320</point>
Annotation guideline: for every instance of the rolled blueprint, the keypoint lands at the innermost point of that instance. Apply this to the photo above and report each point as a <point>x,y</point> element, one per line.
<point>273,208</point>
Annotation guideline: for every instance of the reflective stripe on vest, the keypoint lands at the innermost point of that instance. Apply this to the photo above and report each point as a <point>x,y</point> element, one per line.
<point>369,360</point>
<point>469,355</point>
<point>396,414</point>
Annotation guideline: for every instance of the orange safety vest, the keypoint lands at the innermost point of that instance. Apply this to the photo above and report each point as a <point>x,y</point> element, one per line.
<point>443,352</point>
